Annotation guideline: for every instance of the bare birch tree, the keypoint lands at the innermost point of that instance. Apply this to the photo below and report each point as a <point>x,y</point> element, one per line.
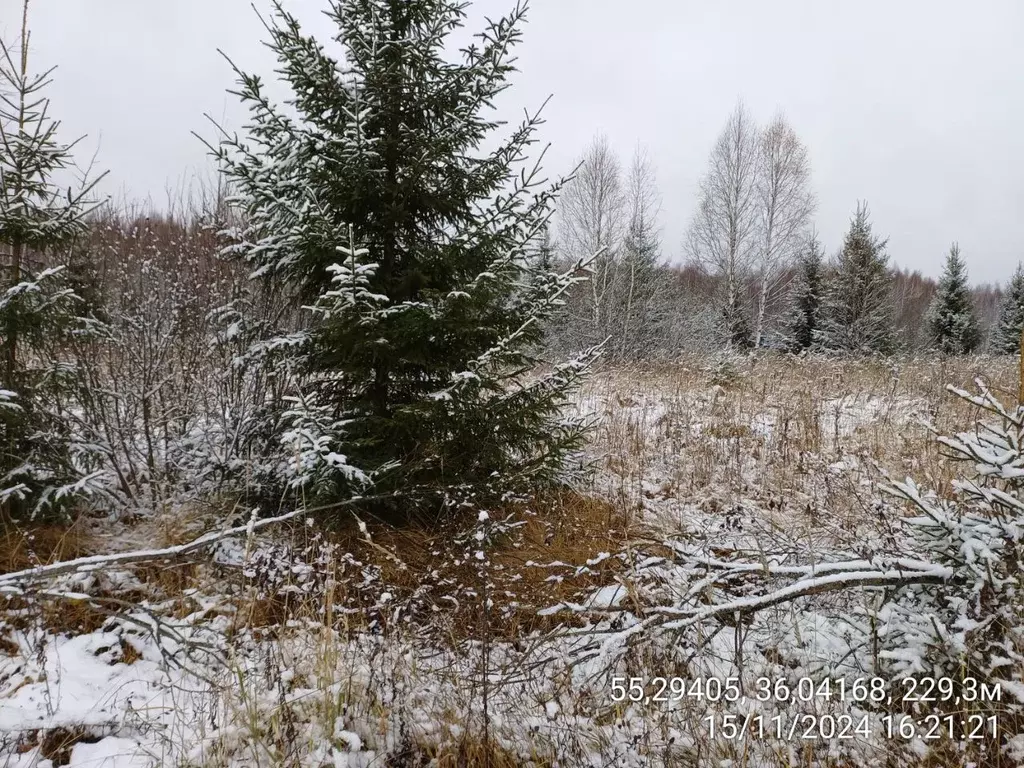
<point>723,234</point>
<point>784,207</point>
<point>592,220</point>
<point>643,197</point>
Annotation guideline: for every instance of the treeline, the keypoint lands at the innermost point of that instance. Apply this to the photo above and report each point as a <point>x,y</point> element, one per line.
<point>912,295</point>
<point>755,275</point>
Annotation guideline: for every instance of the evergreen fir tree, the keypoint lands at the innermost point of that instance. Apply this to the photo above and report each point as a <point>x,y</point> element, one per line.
<point>805,317</point>
<point>40,464</point>
<point>736,325</point>
<point>639,300</point>
<point>1006,339</point>
<point>858,312</point>
<point>952,322</point>
<point>370,199</point>
<point>546,249</point>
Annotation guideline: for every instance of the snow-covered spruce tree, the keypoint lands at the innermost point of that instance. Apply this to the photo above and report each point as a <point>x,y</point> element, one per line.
<point>952,322</point>
<point>370,198</point>
<point>857,313</point>
<point>804,320</point>
<point>546,249</point>
<point>640,295</point>
<point>41,466</point>
<point>1006,339</point>
<point>973,626</point>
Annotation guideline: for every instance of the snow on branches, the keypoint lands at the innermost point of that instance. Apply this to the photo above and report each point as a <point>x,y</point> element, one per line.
<point>974,623</point>
<point>376,210</point>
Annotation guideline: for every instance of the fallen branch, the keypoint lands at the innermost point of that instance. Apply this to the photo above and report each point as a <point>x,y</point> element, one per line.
<point>816,585</point>
<point>816,579</point>
<point>8,581</point>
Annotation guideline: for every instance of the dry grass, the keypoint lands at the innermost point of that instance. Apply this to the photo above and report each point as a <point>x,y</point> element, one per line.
<point>542,563</point>
<point>56,744</point>
<point>470,753</point>
<point>763,432</point>
<point>750,442</point>
<point>27,545</point>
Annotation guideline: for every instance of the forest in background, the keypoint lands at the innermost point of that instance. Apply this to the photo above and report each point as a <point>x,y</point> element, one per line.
<point>754,274</point>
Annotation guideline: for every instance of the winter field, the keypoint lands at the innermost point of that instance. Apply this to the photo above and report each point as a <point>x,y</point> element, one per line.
<point>701,551</point>
<point>384,443</point>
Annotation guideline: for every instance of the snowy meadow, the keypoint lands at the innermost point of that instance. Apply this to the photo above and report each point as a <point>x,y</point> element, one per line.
<point>700,550</point>
<point>383,448</point>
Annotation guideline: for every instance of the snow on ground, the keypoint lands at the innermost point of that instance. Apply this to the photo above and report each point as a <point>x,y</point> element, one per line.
<point>701,465</point>
<point>137,715</point>
<point>78,686</point>
<point>845,415</point>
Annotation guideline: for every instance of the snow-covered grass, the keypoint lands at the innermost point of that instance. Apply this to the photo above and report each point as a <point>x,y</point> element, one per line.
<point>498,645</point>
<point>777,441</point>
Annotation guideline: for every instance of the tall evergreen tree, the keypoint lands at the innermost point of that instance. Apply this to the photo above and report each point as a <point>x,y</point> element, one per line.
<point>546,254</point>
<point>377,207</point>
<point>1006,339</point>
<point>858,312</point>
<point>40,465</point>
<point>805,316</point>
<point>639,299</point>
<point>952,322</point>
<point>735,324</point>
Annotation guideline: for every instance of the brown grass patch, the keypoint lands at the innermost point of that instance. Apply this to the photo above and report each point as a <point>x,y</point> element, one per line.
<point>27,741</point>
<point>72,617</point>
<point>9,648</point>
<point>468,752</point>
<point>57,743</point>
<point>28,545</point>
<point>543,562</point>
<point>129,654</point>
<point>168,578</point>
<point>477,754</point>
<point>776,431</point>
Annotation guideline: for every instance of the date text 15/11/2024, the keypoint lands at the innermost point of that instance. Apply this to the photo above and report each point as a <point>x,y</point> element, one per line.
<point>861,690</point>
<point>805,727</point>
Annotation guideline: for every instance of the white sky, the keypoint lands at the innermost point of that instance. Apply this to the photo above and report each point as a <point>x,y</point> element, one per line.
<point>916,106</point>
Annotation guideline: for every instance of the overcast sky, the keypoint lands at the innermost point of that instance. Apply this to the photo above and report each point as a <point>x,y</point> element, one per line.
<point>916,106</point>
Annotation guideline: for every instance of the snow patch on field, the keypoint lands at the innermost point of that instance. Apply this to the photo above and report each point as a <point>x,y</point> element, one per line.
<point>845,415</point>
<point>78,683</point>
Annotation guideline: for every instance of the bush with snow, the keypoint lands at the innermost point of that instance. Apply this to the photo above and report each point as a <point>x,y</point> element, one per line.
<point>972,626</point>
